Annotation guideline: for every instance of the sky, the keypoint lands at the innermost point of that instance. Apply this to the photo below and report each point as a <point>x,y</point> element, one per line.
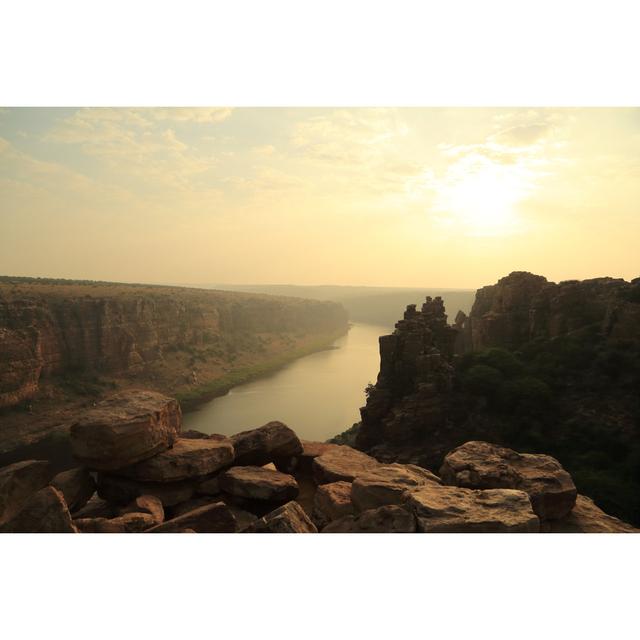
<point>415,197</point>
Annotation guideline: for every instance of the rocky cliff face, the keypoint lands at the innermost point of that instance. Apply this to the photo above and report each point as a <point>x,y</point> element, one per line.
<point>523,306</point>
<point>54,329</point>
<point>537,366</point>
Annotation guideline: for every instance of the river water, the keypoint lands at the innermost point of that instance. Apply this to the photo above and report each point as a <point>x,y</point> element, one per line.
<point>318,395</point>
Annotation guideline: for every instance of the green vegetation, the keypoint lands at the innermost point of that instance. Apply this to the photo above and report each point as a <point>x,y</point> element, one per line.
<point>193,397</point>
<point>574,397</point>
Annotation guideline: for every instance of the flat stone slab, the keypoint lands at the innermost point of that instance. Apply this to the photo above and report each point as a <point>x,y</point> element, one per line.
<point>258,483</point>
<point>481,465</point>
<point>146,504</point>
<point>18,482</point>
<point>126,428</point>
<point>44,512</point>
<point>289,518</point>
<point>386,484</point>
<point>265,444</point>
<point>331,502</point>
<point>187,459</point>
<point>387,519</point>
<point>341,463</point>
<point>445,509</point>
<point>212,518</point>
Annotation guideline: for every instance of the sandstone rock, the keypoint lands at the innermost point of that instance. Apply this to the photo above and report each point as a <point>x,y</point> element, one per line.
<point>146,504</point>
<point>387,519</point>
<point>99,525</point>
<point>44,512</point>
<point>212,518</point>
<point>258,483</point>
<point>18,482</point>
<point>118,490</point>
<point>480,465</point>
<point>126,428</point>
<point>133,522</point>
<point>243,518</point>
<point>77,486</point>
<point>95,508</point>
<point>343,463</point>
<point>186,459</point>
<point>265,444</point>
<point>331,501</point>
<point>586,517</point>
<point>289,518</point>
<point>302,462</point>
<point>209,486</point>
<point>189,505</point>
<point>386,484</point>
<point>443,509</point>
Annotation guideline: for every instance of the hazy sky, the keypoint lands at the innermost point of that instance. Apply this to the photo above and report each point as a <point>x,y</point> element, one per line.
<point>408,197</point>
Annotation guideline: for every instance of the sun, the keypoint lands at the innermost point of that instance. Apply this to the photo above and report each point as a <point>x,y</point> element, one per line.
<point>482,201</point>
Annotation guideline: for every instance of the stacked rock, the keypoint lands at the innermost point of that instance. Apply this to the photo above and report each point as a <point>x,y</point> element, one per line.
<point>141,474</point>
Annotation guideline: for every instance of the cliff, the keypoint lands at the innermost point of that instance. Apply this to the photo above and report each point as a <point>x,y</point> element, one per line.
<point>60,339</point>
<point>536,366</point>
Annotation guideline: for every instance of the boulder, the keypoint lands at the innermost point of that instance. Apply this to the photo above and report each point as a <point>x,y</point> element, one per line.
<point>212,518</point>
<point>121,491</point>
<point>187,459</point>
<point>268,443</point>
<point>133,522</point>
<point>126,428</point>
<point>189,505</point>
<point>386,484</point>
<point>44,512</point>
<point>258,483</point>
<point>481,465</point>
<point>387,519</point>
<point>444,509</point>
<point>243,518</point>
<point>302,462</point>
<point>18,482</point>
<point>208,486</point>
<point>146,504</point>
<point>99,525</point>
<point>331,501</point>
<point>289,518</point>
<point>341,463</point>
<point>586,517</point>
<point>95,508</point>
<point>77,486</point>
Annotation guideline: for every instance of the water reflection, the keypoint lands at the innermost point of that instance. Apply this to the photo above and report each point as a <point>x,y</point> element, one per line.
<point>318,396</point>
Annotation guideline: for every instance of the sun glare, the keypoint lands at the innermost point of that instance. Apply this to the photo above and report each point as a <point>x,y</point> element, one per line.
<point>483,202</point>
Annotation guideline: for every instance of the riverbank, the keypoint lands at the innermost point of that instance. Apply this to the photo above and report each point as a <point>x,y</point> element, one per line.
<point>192,399</point>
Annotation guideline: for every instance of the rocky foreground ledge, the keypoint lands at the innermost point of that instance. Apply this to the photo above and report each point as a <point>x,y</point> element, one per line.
<point>138,472</point>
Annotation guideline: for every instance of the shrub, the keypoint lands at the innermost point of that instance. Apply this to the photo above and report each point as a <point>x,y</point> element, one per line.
<point>482,380</point>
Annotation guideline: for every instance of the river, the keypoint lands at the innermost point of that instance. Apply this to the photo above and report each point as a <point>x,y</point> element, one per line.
<point>318,395</point>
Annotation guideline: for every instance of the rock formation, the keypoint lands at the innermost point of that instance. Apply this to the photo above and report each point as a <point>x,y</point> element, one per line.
<point>52,331</point>
<point>202,485</point>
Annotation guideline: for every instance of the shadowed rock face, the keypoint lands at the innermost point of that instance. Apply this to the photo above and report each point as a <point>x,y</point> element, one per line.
<point>441,509</point>
<point>126,428</point>
<point>18,482</point>
<point>331,502</point>
<point>480,465</point>
<point>44,512</point>
<point>271,442</point>
<point>186,459</point>
<point>523,306</point>
<point>77,486</point>
<point>213,518</point>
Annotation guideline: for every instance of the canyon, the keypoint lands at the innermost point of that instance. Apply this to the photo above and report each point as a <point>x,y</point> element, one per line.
<point>520,417</point>
<point>64,344</point>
